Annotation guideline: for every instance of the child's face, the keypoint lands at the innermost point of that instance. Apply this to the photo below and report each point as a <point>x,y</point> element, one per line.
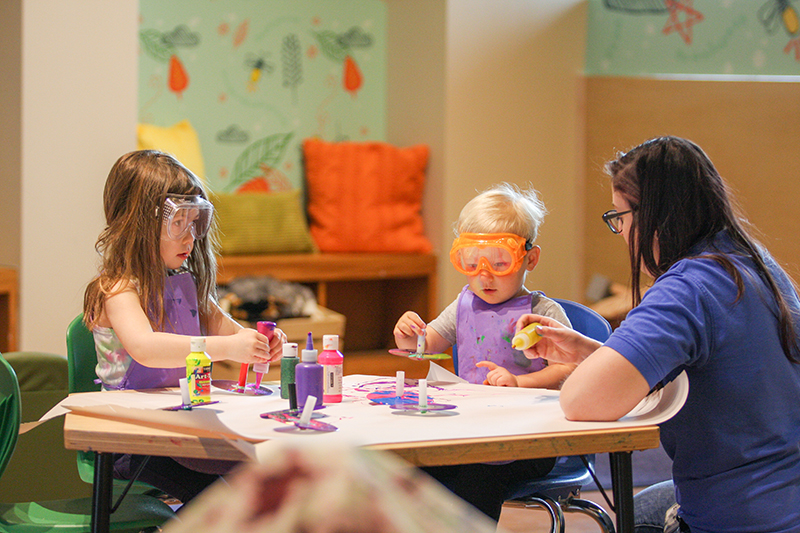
<point>494,289</point>
<point>175,251</point>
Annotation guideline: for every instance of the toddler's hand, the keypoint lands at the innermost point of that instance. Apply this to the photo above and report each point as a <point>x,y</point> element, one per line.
<point>409,325</point>
<point>498,376</point>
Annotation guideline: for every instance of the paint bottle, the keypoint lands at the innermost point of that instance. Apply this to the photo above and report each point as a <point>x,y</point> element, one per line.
<point>268,329</point>
<point>332,363</point>
<point>526,337</point>
<point>308,376</point>
<point>288,364</point>
<point>198,371</point>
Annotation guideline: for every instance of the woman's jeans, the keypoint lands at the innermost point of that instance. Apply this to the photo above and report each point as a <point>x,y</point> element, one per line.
<point>650,507</point>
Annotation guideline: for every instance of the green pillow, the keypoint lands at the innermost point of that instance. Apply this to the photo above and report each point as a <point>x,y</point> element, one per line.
<point>262,223</point>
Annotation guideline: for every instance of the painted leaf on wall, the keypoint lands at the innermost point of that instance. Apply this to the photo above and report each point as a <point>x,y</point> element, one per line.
<point>352,76</point>
<point>264,152</point>
<point>331,45</point>
<point>178,78</point>
<point>154,45</point>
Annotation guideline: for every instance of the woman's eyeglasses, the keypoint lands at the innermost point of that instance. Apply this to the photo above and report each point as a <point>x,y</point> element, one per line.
<point>612,218</point>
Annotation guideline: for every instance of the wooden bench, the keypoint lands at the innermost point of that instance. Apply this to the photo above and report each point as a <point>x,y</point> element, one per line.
<point>370,290</point>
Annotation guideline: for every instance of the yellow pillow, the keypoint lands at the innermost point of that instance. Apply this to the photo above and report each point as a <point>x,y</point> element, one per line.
<point>262,223</point>
<point>179,140</point>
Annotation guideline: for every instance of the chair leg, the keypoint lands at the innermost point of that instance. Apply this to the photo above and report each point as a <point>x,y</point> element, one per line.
<point>575,505</point>
<point>551,506</point>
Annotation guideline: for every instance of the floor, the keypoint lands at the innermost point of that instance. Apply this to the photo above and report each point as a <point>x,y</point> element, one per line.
<point>515,520</point>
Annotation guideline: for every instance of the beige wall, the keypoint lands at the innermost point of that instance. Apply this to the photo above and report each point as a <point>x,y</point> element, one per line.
<point>491,85</point>
<point>512,104</point>
<point>79,102</point>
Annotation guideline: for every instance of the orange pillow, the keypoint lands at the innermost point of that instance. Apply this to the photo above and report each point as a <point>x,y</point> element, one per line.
<point>366,196</point>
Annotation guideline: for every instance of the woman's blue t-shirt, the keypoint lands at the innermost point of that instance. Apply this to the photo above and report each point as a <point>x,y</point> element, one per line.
<point>735,445</point>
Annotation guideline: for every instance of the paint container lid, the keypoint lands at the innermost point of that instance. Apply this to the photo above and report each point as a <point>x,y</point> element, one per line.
<point>330,342</point>
<point>198,344</point>
<point>309,356</point>
<point>290,349</point>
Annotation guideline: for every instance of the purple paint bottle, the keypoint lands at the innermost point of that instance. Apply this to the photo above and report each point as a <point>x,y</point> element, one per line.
<point>308,377</point>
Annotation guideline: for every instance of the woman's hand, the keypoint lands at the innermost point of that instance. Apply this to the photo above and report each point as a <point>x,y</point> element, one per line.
<point>498,376</point>
<point>559,343</point>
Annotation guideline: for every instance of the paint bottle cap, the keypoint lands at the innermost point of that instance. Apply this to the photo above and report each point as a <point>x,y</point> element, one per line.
<point>290,349</point>
<point>265,328</point>
<point>309,356</point>
<point>330,342</point>
<point>309,342</point>
<point>198,344</point>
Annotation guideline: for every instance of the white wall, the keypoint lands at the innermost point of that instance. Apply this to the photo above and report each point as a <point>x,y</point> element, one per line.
<point>79,103</point>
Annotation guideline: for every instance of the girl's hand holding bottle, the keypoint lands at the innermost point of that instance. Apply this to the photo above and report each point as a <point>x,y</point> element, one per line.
<point>249,346</point>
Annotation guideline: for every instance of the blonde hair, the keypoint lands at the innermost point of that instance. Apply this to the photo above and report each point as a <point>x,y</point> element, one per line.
<point>133,199</point>
<point>503,208</point>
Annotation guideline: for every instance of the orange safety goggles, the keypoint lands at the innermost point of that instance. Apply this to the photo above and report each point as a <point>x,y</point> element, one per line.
<point>498,253</point>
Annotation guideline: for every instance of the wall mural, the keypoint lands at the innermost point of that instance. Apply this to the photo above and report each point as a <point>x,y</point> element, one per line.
<point>256,77</point>
<point>733,37</point>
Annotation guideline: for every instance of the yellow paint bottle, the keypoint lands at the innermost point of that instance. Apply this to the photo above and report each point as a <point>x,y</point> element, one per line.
<point>198,371</point>
<point>526,337</point>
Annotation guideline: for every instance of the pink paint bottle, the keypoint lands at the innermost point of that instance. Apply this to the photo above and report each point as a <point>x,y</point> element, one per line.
<point>332,363</point>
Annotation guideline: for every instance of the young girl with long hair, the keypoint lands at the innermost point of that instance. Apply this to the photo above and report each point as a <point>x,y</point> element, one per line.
<point>156,288</point>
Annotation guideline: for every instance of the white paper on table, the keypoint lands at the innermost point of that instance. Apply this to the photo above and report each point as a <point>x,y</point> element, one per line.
<point>438,375</point>
<point>481,411</point>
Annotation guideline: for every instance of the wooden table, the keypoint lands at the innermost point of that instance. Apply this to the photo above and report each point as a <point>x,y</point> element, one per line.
<point>105,437</point>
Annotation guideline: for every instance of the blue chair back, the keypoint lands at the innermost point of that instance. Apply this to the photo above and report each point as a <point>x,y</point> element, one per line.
<point>586,320</point>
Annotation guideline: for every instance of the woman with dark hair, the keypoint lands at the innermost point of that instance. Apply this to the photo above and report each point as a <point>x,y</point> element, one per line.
<point>722,310</point>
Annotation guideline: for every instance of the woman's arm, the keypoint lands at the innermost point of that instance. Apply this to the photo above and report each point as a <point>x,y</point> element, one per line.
<point>606,386</point>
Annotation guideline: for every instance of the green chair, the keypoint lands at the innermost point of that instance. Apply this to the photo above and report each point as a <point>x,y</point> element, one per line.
<point>43,382</point>
<point>136,513</point>
<point>82,359</point>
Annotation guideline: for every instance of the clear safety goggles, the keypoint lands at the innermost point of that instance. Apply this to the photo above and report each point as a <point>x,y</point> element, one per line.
<point>183,214</point>
<point>498,253</point>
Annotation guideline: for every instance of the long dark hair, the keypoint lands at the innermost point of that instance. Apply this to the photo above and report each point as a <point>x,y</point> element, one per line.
<point>679,200</point>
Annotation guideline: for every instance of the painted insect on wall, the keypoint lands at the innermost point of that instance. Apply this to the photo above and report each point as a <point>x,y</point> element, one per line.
<point>775,13</point>
<point>257,64</point>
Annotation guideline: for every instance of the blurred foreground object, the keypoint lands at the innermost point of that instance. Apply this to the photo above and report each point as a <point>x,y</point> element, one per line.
<point>319,487</point>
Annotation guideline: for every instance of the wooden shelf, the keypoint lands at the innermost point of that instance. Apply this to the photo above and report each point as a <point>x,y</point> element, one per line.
<point>370,290</point>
